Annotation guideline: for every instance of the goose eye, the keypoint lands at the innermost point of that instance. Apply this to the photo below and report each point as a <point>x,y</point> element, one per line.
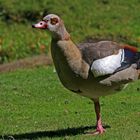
<point>54,21</point>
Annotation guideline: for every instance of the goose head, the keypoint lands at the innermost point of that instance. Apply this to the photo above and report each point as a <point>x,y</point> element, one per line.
<point>54,24</point>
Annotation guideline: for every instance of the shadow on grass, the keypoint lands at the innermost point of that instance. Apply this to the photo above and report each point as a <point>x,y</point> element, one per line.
<point>51,134</point>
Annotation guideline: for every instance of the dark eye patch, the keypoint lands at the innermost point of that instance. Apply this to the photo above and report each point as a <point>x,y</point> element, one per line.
<point>54,21</point>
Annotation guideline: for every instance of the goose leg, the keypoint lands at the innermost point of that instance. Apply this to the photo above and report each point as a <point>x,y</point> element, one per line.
<point>99,126</point>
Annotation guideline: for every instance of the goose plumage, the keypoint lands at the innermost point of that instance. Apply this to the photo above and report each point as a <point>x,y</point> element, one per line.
<point>73,63</point>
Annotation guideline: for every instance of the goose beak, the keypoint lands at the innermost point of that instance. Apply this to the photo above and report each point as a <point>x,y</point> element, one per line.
<point>40,25</point>
<point>33,25</point>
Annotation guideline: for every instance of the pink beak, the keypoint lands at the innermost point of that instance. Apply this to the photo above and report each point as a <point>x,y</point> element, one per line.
<point>40,25</point>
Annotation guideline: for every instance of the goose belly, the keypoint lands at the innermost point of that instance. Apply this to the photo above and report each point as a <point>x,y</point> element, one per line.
<point>90,87</point>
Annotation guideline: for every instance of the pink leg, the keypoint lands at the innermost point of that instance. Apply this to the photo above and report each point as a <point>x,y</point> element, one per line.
<point>99,129</point>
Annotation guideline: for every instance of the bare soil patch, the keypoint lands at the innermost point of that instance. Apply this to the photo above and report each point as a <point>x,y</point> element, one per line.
<point>26,63</point>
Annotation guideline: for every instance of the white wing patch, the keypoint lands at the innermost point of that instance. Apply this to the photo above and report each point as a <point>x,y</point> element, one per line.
<point>107,65</point>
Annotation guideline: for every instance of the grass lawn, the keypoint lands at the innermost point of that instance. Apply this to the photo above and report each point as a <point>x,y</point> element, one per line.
<point>34,105</point>
<point>116,20</point>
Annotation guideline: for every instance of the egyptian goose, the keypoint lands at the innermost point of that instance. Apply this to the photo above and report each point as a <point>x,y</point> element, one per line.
<point>74,64</point>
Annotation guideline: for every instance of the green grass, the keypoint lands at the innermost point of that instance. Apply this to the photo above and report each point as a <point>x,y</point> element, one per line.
<point>22,41</point>
<point>117,20</point>
<point>34,105</point>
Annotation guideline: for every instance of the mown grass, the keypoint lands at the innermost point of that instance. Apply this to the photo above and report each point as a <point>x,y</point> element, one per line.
<point>21,41</point>
<point>34,105</point>
<point>116,20</point>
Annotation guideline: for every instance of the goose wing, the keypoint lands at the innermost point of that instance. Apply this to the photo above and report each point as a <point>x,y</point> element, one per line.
<point>94,51</point>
